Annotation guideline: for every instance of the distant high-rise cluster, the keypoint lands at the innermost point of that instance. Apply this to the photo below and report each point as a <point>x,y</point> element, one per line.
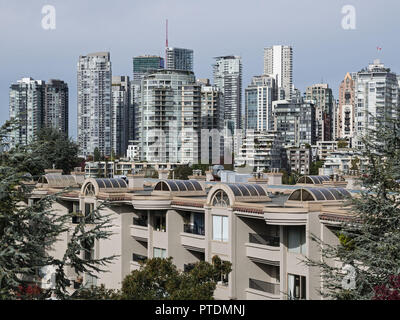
<point>164,114</point>
<point>37,104</point>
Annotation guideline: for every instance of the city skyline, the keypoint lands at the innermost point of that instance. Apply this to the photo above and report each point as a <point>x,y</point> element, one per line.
<point>54,53</point>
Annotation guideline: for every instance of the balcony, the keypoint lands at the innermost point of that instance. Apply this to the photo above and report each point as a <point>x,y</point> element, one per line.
<point>263,249</point>
<point>139,232</point>
<point>264,239</point>
<point>192,238</point>
<point>140,222</point>
<point>194,229</point>
<point>261,290</point>
<point>137,259</point>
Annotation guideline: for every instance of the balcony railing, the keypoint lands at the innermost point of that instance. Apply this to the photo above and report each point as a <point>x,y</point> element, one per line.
<point>138,257</point>
<point>194,229</point>
<point>273,288</point>
<point>264,239</point>
<point>140,222</point>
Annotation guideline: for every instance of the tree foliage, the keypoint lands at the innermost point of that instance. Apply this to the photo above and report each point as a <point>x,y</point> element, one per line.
<point>159,279</point>
<point>28,232</point>
<point>370,240</point>
<point>181,172</point>
<point>50,149</point>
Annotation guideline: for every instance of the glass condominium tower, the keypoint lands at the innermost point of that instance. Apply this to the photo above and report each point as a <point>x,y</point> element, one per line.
<point>179,59</point>
<point>159,117</point>
<point>227,72</point>
<point>94,104</point>
<point>142,64</point>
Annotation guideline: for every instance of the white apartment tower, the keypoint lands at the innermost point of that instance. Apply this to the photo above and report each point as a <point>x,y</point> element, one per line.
<point>278,63</point>
<point>377,92</point>
<point>227,72</point>
<point>26,105</point>
<point>163,113</point>
<point>94,103</point>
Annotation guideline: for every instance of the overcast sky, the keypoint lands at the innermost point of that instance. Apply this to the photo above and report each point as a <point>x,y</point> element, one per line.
<point>323,50</point>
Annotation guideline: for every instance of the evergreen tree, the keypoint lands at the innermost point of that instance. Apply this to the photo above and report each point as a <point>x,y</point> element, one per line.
<point>29,232</point>
<point>370,240</point>
<point>50,149</point>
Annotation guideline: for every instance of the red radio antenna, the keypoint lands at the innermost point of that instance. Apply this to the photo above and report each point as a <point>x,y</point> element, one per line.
<point>166,35</point>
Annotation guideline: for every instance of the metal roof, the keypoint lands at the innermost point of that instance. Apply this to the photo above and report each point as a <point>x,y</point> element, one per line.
<point>57,180</point>
<point>319,194</point>
<point>178,185</point>
<point>111,183</point>
<point>313,179</point>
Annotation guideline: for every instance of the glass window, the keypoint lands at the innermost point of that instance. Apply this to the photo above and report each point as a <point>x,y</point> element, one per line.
<point>159,253</point>
<point>220,228</point>
<point>296,287</point>
<point>297,239</point>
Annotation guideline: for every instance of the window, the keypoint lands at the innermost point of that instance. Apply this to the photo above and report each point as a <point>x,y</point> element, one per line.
<point>296,287</point>
<point>220,228</point>
<point>220,199</point>
<point>160,222</point>
<point>159,253</point>
<point>297,239</point>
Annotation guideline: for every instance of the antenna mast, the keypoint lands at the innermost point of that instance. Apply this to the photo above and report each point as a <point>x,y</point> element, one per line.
<point>166,44</point>
<point>166,34</point>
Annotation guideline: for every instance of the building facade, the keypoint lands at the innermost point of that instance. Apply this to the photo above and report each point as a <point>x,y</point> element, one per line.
<point>94,104</point>
<point>299,160</point>
<point>26,104</point>
<point>258,103</point>
<point>227,72</point>
<point>377,93</point>
<point>266,238</point>
<point>143,64</point>
<point>322,97</point>
<point>179,59</point>
<point>346,108</point>
<point>55,113</point>
<point>121,108</point>
<point>262,151</point>
<point>278,63</point>
<point>159,115</point>
<point>296,121</point>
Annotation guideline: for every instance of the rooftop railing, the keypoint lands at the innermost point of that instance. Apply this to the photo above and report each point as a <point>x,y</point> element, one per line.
<point>138,257</point>
<point>194,229</point>
<point>273,288</point>
<point>264,239</point>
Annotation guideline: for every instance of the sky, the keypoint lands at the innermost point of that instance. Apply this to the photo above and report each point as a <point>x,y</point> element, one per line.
<point>322,50</point>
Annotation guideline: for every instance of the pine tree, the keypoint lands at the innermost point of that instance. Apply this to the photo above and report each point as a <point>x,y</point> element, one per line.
<point>28,232</point>
<point>370,240</point>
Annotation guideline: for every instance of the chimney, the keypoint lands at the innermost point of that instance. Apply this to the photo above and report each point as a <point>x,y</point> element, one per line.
<point>78,175</point>
<point>53,171</point>
<point>163,174</point>
<point>274,177</point>
<point>135,181</point>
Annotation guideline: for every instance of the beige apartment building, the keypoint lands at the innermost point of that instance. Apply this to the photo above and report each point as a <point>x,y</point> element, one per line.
<point>263,230</point>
